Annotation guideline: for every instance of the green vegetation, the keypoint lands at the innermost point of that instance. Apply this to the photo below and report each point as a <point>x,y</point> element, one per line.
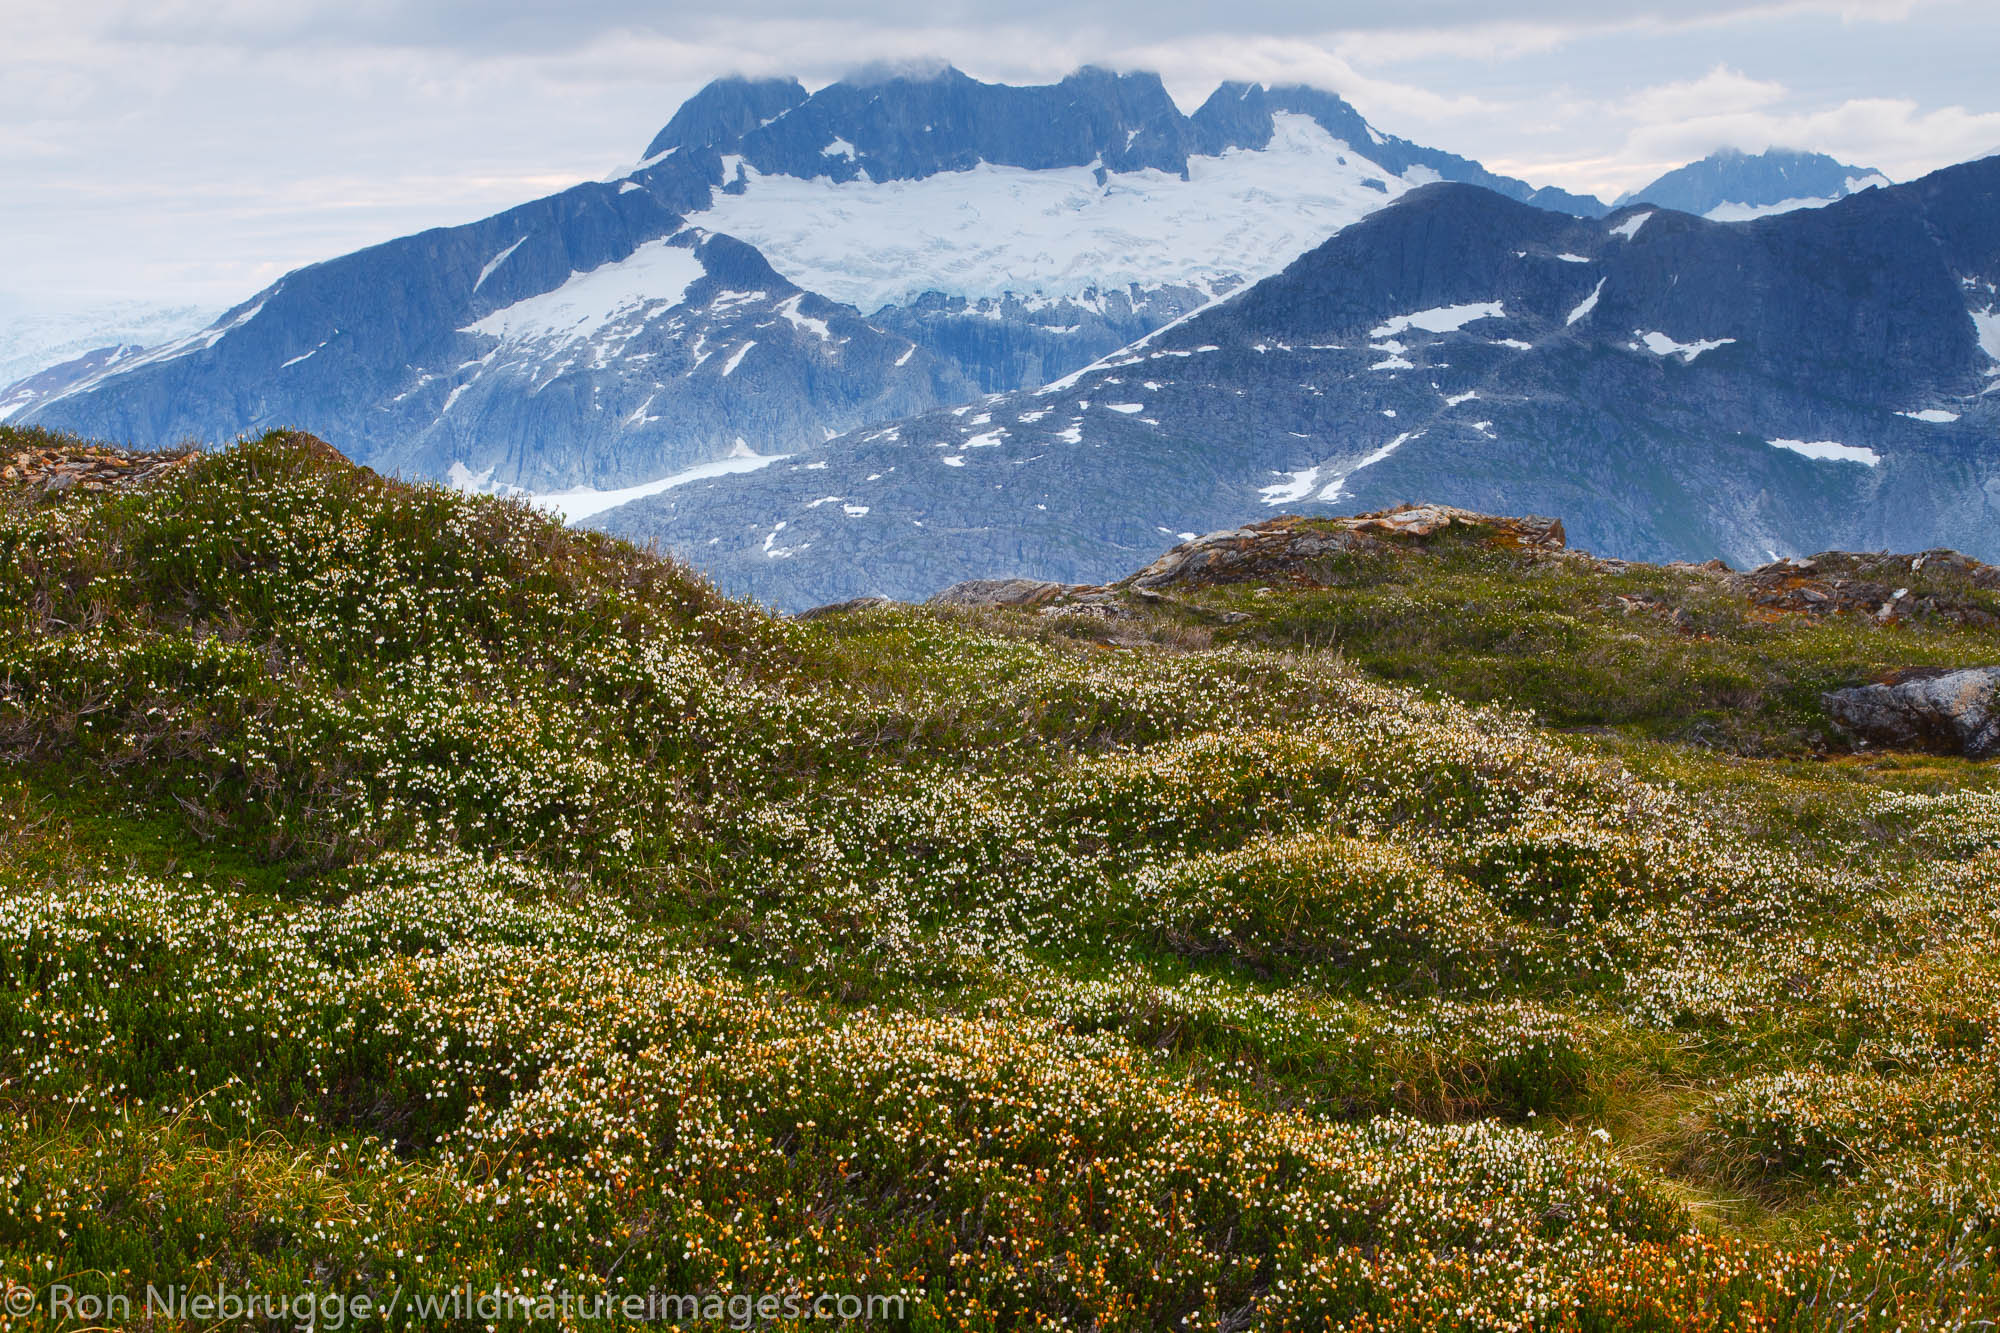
<point>1649,651</point>
<point>400,892</point>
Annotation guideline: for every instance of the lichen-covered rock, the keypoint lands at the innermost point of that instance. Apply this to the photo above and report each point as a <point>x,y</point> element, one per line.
<point>1926,708</point>
<point>1284,548</point>
<point>999,592</point>
<point>839,608</point>
<point>52,469</point>
<point>1926,585</point>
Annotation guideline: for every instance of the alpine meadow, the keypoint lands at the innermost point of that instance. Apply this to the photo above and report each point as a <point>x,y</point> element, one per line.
<point>672,667</point>
<point>404,892</point>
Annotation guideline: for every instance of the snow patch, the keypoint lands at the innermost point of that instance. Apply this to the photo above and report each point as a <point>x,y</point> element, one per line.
<point>994,230</point>
<point>1629,228</point>
<point>307,355</point>
<point>1336,488</point>
<point>1128,408</point>
<point>1589,302</point>
<point>790,310</point>
<point>1296,486</point>
<point>498,260</point>
<point>655,276</point>
<point>1659,344</point>
<point>1735,212</point>
<point>1442,319</point>
<point>1830,452</point>
<point>1935,416</point>
<point>736,357</point>
<point>1987,325</point>
<point>573,506</point>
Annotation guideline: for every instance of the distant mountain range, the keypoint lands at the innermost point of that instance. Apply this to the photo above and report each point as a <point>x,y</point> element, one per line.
<point>76,342</point>
<point>912,328</point>
<point>1672,387</point>
<point>1734,186</point>
<point>780,266</point>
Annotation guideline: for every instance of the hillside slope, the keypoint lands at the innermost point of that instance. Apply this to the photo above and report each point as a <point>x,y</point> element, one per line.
<point>402,894</point>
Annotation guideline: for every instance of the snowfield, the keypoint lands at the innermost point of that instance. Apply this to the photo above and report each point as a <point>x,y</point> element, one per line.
<point>656,275</point>
<point>996,230</point>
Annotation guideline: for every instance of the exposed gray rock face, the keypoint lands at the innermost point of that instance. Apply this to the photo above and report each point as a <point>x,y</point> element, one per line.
<point>842,608</point>
<point>999,592</point>
<point>1948,712</point>
<point>1730,184</point>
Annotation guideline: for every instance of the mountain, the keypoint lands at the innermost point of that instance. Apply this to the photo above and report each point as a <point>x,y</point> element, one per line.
<point>1733,186</point>
<point>24,393</point>
<point>35,338</point>
<point>780,266</point>
<point>1675,388</point>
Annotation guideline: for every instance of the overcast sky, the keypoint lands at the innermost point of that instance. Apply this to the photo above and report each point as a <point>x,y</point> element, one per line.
<point>194,150</point>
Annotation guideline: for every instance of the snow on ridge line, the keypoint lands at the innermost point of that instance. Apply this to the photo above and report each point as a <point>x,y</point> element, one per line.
<point>1439,319</point>
<point>1830,451</point>
<point>990,231</point>
<point>657,273</point>
<point>573,506</point>
<point>1629,228</point>
<point>1731,211</point>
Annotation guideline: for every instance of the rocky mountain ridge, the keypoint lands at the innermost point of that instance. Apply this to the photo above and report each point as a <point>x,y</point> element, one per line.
<point>1681,389</point>
<point>1733,186</point>
<point>950,237</point>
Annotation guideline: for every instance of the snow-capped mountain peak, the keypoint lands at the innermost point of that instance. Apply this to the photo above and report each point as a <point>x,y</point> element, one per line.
<point>1733,186</point>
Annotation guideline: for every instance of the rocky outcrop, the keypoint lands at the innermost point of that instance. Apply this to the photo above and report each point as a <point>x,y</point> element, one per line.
<point>56,468</point>
<point>999,592</point>
<point>842,608</point>
<point>1927,708</point>
<point>1930,585</point>
<point>1286,549</point>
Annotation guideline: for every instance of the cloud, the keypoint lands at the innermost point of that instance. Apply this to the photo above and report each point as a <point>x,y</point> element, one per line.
<point>193,148</point>
<point>1721,91</point>
<point>1862,131</point>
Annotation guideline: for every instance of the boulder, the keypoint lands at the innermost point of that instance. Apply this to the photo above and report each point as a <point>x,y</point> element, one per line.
<point>1925,708</point>
<point>999,592</point>
<point>851,604</point>
<point>57,465</point>
<point>1284,548</point>
<point>1928,585</point>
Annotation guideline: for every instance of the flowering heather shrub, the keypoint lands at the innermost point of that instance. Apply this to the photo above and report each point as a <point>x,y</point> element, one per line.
<point>398,889</point>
